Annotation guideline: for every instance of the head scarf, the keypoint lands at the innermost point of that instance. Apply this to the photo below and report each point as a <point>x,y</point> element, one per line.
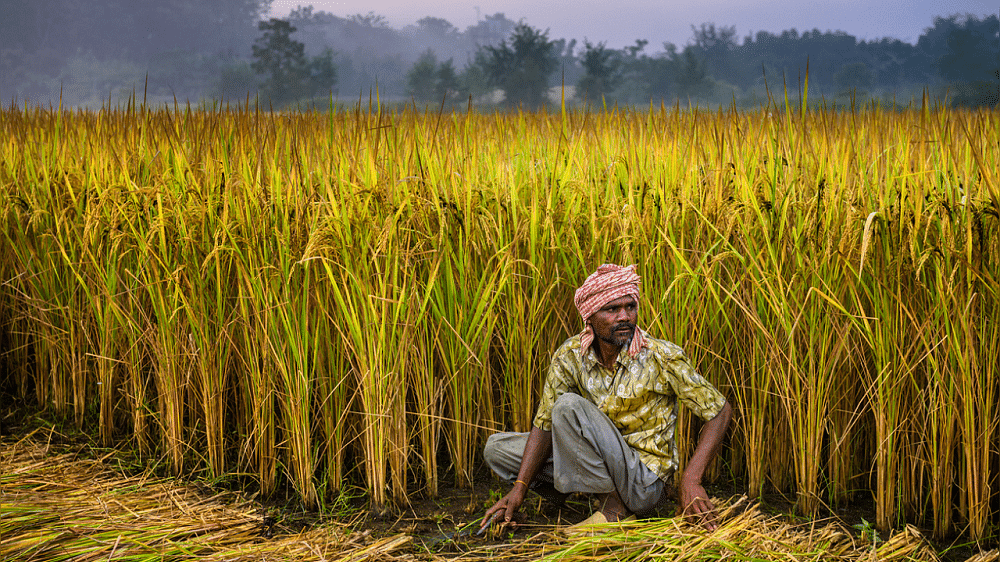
<point>608,283</point>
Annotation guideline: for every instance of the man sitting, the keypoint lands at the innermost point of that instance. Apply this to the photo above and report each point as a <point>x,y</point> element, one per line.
<point>605,422</point>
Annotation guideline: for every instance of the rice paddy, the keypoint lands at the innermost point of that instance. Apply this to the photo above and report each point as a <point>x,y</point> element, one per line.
<point>358,298</point>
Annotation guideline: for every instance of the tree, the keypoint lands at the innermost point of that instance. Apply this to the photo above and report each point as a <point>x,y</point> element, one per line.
<point>447,86</point>
<point>692,77</point>
<point>437,28</point>
<point>322,74</point>
<point>370,20</point>
<point>644,77</point>
<point>236,82</point>
<point>969,58</point>
<point>490,30</point>
<point>128,30</point>
<point>854,79</point>
<point>522,68</point>
<point>473,79</point>
<point>971,51</point>
<point>281,60</point>
<point>428,81</point>
<point>602,72</point>
<point>716,46</point>
<point>422,78</point>
<point>288,74</point>
<point>567,62</point>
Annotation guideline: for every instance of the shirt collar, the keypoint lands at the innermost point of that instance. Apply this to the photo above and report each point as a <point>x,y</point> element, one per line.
<point>590,358</point>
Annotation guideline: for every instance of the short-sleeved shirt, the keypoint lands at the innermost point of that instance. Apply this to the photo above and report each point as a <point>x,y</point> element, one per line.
<point>639,396</point>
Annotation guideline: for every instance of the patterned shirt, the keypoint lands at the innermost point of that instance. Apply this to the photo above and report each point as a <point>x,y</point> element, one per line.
<point>640,395</point>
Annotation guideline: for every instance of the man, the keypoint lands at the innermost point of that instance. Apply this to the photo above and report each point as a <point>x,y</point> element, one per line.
<point>605,422</point>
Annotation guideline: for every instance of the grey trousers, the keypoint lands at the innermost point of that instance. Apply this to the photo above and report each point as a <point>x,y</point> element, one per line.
<point>589,455</point>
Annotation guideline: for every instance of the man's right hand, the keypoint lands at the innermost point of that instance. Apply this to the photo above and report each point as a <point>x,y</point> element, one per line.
<point>503,511</point>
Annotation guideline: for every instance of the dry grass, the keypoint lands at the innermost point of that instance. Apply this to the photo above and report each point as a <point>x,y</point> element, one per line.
<point>63,507</point>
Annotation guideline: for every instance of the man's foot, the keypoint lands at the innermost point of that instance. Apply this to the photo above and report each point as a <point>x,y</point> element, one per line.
<point>591,526</point>
<point>614,509</point>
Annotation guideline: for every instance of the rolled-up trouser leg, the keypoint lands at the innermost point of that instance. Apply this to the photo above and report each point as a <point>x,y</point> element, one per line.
<point>503,454</point>
<point>590,455</point>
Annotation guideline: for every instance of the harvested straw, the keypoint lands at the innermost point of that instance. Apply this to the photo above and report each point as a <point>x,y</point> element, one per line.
<point>745,534</point>
<point>59,506</point>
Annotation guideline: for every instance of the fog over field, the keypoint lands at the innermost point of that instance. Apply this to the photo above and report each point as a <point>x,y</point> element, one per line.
<point>96,52</point>
<point>621,24</point>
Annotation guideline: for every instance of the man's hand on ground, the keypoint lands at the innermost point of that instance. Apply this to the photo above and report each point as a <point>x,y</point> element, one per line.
<point>695,505</point>
<point>503,511</point>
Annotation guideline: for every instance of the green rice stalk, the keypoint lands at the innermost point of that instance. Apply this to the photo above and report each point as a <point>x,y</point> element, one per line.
<point>375,323</point>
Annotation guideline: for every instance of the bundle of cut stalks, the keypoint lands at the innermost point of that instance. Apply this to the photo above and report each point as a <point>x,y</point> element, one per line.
<point>61,507</point>
<point>746,533</point>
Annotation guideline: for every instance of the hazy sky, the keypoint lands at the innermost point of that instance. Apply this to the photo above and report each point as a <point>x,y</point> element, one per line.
<point>621,23</point>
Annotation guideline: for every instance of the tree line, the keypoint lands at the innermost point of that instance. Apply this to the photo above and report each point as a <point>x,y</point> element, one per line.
<point>959,55</point>
<point>223,49</point>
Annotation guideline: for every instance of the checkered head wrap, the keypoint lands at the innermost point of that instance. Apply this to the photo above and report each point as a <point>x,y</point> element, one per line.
<point>608,283</point>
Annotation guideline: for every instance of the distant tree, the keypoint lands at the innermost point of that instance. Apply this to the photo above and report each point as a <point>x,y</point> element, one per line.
<point>717,47</point>
<point>568,66</point>
<point>602,72</point>
<point>437,28</point>
<point>971,62</point>
<point>490,30</point>
<point>322,74</point>
<point>304,17</point>
<point>522,68</point>
<point>371,19</point>
<point>447,86</point>
<point>711,39</point>
<point>280,60</point>
<point>634,51</point>
<point>287,73</point>
<point>428,81</point>
<point>138,29</point>
<point>893,62</point>
<point>236,82</point>
<point>659,73</point>
<point>421,80</point>
<point>971,51</point>
<point>933,42</point>
<point>854,79</point>
<point>474,80</point>
<point>644,77</point>
<point>691,75</point>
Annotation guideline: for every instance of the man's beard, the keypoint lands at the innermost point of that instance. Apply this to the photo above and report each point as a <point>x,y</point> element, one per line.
<point>620,335</point>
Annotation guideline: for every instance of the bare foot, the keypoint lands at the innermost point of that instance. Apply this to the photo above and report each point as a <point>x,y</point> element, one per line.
<point>614,509</point>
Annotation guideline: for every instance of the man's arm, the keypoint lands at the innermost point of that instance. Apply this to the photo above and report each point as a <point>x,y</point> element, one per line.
<point>692,497</point>
<point>536,452</point>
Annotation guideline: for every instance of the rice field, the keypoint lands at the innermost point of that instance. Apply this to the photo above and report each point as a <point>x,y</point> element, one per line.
<point>360,297</point>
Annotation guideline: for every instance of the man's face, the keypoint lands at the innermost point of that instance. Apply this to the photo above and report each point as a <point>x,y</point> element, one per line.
<point>615,322</point>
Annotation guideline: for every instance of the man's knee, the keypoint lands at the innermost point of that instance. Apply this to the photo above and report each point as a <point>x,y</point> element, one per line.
<point>567,409</point>
<point>503,452</point>
<point>492,452</point>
